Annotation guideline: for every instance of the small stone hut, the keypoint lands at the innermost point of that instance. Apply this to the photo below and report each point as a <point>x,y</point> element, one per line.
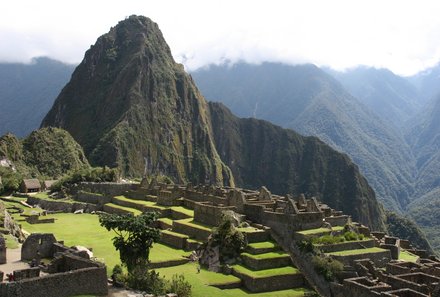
<point>30,185</point>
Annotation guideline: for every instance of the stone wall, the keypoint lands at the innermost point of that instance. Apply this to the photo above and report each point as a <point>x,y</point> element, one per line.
<point>106,189</point>
<point>380,259</point>
<point>38,245</point>
<point>87,281</point>
<point>26,273</point>
<point>65,206</point>
<point>92,198</point>
<point>2,250</point>
<point>274,283</point>
<point>209,214</point>
<point>67,262</point>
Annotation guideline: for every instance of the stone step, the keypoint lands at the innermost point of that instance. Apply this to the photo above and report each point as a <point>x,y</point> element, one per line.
<point>266,261</point>
<point>347,245</point>
<point>269,279</point>
<point>141,205</point>
<point>192,229</point>
<point>254,235</point>
<point>262,247</point>
<point>379,256</point>
<point>173,239</point>
<point>118,209</point>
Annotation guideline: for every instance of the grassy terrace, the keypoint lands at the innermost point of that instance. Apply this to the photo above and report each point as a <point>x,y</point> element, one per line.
<point>407,256</point>
<point>181,209</point>
<point>357,252</point>
<point>249,229</point>
<point>180,235</point>
<point>263,245</point>
<point>320,230</point>
<point>266,272</point>
<point>271,255</point>
<point>126,209</point>
<point>140,202</point>
<point>194,224</point>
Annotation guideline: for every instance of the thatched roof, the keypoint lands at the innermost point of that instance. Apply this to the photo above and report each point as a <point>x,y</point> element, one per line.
<point>49,183</point>
<point>32,183</point>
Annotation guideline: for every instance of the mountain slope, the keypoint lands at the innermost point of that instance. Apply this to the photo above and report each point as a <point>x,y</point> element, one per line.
<point>391,97</point>
<point>310,101</point>
<point>27,91</point>
<point>260,153</point>
<point>128,100</point>
<point>49,152</point>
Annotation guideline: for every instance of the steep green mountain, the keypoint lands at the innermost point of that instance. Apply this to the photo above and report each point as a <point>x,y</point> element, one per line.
<point>312,102</point>
<point>260,153</point>
<point>390,96</point>
<point>27,91</point>
<point>48,152</point>
<point>128,101</point>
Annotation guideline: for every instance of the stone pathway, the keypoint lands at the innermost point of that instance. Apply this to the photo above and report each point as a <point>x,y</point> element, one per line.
<point>13,262</point>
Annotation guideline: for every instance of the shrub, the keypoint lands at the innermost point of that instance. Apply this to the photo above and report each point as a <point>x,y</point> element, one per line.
<point>231,241</point>
<point>327,267</point>
<point>350,236</point>
<point>179,285</point>
<point>305,246</point>
<point>148,281</point>
<point>96,174</point>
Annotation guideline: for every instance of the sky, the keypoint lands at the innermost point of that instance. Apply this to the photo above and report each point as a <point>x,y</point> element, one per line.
<point>403,36</point>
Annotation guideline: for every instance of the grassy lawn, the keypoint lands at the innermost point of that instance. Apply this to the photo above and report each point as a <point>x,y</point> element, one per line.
<point>357,252</point>
<point>127,209</point>
<point>181,209</point>
<point>194,224</point>
<point>84,229</point>
<point>266,272</point>
<point>320,230</point>
<point>140,202</point>
<point>407,256</point>
<point>11,243</point>
<point>271,255</point>
<point>263,245</point>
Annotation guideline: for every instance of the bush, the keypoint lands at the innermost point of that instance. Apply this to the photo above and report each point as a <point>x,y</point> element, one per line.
<point>305,246</point>
<point>147,281</point>
<point>179,285</point>
<point>327,267</point>
<point>96,174</point>
<point>231,241</point>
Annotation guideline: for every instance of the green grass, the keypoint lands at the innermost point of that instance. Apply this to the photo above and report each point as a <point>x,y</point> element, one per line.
<point>127,209</point>
<point>263,245</point>
<point>181,209</point>
<point>84,229</point>
<point>407,256</point>
<point>167,221</point>
<point>194,224</point>
<point>357,252</point>
<point>249,230</point>
<point>266,272</point>
<point>271,255</point>
<point>42,195</point>
<point>180,235</point>
<point>320,230</point>
<point>140,202</point>
<point>11,243</point>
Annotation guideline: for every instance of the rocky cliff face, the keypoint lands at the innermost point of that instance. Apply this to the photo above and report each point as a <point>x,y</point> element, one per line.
<point>260,153</point>
<point>128,101</point>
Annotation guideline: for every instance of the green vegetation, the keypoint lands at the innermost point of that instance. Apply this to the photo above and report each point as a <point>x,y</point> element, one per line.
<point>49,152</point>
<point>124,208</point>
<point>330,239</point>
<point>266,272</point>
<point>11,242</point>
<point>95,174</point>
<point>134,238</point>
<point>263,245</point>
<point>405,228</point>
<point>407,256</point>
<point>10,180</point>
<point>358,251</point>
<point>270,255</point>
<point>228,238</point>
<point>327,267</point>
<point>320,230</point>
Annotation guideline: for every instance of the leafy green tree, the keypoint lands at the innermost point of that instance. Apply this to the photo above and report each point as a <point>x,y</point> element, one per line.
<point>134,238</point>
<point>10,180</point>
<point>230,240</point>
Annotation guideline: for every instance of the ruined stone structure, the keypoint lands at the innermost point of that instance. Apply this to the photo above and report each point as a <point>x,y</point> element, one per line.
<point>374,272</point>
<point>2,250</point>
<point>71,272</point>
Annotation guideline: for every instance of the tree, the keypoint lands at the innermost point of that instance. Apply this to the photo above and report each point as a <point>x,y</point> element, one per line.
<point>135,236</point>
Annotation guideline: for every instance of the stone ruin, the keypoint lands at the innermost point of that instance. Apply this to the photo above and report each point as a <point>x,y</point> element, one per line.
<point>2,250</point>
<point>70,272</point>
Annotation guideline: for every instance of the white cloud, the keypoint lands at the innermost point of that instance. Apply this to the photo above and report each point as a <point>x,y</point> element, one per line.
<point>400,35</point>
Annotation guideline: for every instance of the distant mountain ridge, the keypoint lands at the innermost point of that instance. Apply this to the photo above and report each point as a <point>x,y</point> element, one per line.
<point>305,98</point>
<point>27,91</point>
